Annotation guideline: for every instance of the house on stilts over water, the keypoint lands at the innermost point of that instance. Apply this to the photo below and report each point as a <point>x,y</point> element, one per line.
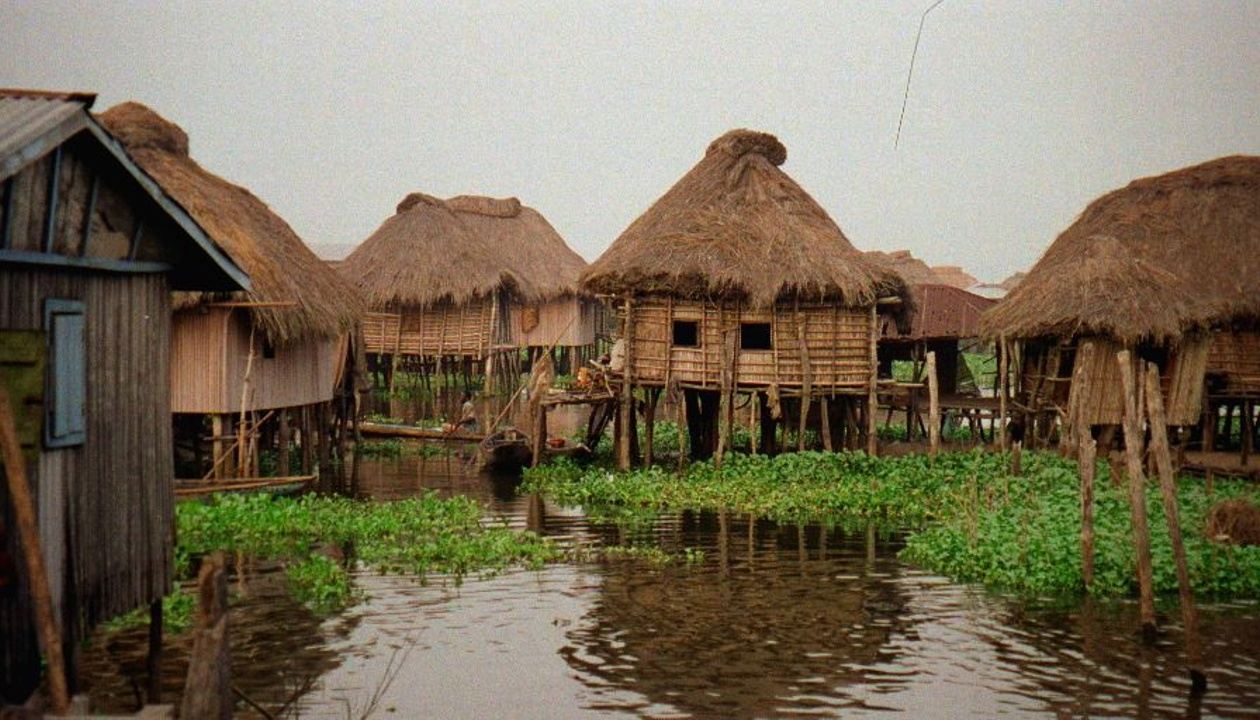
<point>1167,267</point>
<point>944,319</point>
<point>263,366</point>
<point>438,295</point>
<point>558,315</point>
<point>736,282</point>
<point>91,249</point>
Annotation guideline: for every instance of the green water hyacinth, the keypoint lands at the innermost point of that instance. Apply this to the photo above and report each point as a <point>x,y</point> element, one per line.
<point>970,519</point>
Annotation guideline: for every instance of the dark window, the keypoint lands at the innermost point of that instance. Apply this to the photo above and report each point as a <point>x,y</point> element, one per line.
<point>755,336</point>
<point>66,424</point>
<point>686,333</point>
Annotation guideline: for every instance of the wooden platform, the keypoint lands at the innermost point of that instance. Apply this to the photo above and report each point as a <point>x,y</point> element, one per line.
<point>287,485</point>
<point>1222,463</point>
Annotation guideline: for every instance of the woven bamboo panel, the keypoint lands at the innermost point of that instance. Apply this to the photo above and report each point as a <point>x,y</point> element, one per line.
<point>1235,357</point>
<point>837,340</point>
<point>1181,380</point>
<point>462,330</point>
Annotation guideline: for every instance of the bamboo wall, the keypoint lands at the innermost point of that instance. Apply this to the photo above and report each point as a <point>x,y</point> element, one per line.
<point>106,506</point>
<point>444,330</point>
<point>1181,378</point>
<point>1234,362</point>
<point>837,340</point>
<point>210,348</point>
<point>564,322</point>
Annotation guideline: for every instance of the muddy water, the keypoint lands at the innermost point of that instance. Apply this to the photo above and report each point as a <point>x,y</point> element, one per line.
<point>773,621</point>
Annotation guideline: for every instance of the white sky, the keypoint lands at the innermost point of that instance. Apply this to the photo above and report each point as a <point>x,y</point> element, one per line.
<point>1019,112</point>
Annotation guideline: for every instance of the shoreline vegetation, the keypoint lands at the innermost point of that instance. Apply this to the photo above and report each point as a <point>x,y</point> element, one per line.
<point>968,517</point>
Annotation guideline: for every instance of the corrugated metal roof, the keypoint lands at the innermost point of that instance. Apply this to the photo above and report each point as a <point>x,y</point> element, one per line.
<point>941,311</point>
<point>27,117</point>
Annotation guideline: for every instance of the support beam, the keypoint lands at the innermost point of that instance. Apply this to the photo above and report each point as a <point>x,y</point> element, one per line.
<point>934,406</point>
<point>872,393</point>
<point>1137,492</point>
<point>54,190</point>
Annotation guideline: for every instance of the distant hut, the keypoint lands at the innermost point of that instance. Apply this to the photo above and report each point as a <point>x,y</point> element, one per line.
<point>1168,267</point>
<point>90,250</point>
<point>944,320</point>
<point>737,281</point>
<point>262,356</point>
<point>560,315</point>
<point>439,294</point>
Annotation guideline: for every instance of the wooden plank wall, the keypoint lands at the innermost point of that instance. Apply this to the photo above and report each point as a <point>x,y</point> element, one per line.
<point>445,330</point>
<point>566,322</point>
<point>1181,379</point>
<point>1235,357</point>
<point>838,341</point>
<point>106,507</point>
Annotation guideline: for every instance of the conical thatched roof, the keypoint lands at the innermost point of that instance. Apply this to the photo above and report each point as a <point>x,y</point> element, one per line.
<point>425,254</point>
<point>280,267</point>
<point>1148,262</point>
<point>737,226</point>
<point>523,238</point>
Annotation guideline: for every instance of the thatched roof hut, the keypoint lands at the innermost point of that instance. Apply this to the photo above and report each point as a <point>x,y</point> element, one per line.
<point>1150,262</point>
<point>299,296</point>
<point>522,238</point>
<point>736,226</point>
<point>425,254</point>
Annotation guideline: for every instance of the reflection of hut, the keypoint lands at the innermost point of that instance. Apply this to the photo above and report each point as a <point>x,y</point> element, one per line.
<point>273,351</point>
<point>1167,266</point>
<point>438,293</point>
<point>736,280</point>
<point>559,315</point>
<point>787,603</point>
<point>91,249</point>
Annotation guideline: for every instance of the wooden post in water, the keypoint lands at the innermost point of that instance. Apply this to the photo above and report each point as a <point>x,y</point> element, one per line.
<point>208,685</point>
<point>649,429</point>
<point>1137,493</point>
<point>28,533</point>
<point>934,406</point>
<point>807,378</point>
<point>1087,453</point>
<point>540,433</point>
<point>724,392</point>
<point>1168,488</point>
<point>872,390</point>
<point>824,413</point>
<point>1004,385</point>
<point>283,439</point>
<point>153,662</point>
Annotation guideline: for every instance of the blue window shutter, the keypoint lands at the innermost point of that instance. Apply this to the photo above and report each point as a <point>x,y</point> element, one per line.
<point>67,378</point>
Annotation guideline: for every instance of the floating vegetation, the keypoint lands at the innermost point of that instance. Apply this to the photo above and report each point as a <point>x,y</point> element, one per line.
<point>394,448</point>
<point>974,521</point>
<point>418,536</point>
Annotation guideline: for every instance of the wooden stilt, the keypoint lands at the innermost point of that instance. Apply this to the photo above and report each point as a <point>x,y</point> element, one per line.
<point>1137,493</point>
<point>208,686</point>
<point>540,433</point>
<point>1167,486</point>
<point>807,379</point>
<point>649,420</point>
<point>153,662</point>
<point>684,434</point>
<point>627,390</point>
<point>872,391</point>
<point>1087,452</point>
<point>216,444</point>
<point>934,406</point>
<point>824,415</point>
<point>1004,382</point>
<point>24,512</point>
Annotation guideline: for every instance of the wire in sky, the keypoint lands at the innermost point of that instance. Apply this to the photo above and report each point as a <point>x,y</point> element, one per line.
<point>906,97</point>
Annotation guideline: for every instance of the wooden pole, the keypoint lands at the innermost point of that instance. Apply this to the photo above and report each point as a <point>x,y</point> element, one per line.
<point>824,412</point>
<point>540,433</point>
<point>872,390</point>
<point>807,378</point>
<point>282,463</point>
<point>1137,493</point>
<point>1167,486</point>
<point>28,534</point>
<point>154,660</point>
<point>1088,451</point>
<point>934,406</point>
<point>627,391</point>
<point>1004,383</point>
<point>649,431</point>
<point>684,437</point>
<point>208,685</point>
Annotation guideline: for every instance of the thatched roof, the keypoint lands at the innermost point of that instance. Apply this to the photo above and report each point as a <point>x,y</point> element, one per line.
<point>318,302</point>
<point>426,254</point>
<point>523,238</point>
<point>1158,258</point>
<point>737,226</point>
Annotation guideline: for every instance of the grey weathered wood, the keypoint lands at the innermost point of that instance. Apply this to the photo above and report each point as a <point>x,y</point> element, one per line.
<point>1087,453</point>
<point>1137,492</point>
<point>934,406</point>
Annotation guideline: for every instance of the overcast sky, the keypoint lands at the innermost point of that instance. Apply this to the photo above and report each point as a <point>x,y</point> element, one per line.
<point>1019,112</point>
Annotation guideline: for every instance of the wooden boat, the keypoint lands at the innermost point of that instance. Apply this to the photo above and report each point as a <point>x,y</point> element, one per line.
<point>508,450</point>
<point>376,429</point>
<point>187,488</point>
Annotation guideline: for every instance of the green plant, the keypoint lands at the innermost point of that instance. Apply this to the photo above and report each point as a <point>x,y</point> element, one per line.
<point>320,583</point>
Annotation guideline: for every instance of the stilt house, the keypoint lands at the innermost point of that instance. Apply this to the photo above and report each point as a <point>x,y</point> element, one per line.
<point>271,355</point>
<point>90,250</point>
<point>560,315</point>
<point>437,292</point>
<point>1167,267</point>
<point>737,281</point>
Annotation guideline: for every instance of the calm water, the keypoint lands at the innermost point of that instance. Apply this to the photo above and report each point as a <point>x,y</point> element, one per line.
<point>775,621</point>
